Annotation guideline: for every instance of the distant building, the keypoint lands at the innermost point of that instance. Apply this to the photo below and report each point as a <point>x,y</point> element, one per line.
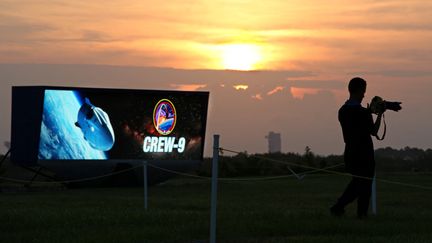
<point>274,142</point>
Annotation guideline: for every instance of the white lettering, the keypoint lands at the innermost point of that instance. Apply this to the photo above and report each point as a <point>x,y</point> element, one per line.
<point>181,145</point>
<point>153,145</point>
<point>146,147</point>
<point>169,144</point>
<point>163,144</point>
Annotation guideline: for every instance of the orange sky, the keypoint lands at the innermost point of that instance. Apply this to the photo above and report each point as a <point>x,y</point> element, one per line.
<point>317,45</point>
<point>321,35</point>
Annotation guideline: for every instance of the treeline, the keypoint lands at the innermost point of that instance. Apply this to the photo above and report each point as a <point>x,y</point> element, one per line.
<point>405,159</point>
<point>243,164</point>
<point>387,160</point>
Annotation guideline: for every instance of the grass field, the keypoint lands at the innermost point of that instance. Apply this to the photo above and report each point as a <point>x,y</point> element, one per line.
<point>284,210</point>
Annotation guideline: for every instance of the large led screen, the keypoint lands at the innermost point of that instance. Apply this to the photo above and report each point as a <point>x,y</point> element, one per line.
<point>103,124</point>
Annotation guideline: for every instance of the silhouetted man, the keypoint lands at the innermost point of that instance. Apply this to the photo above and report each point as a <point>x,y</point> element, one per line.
<point>357,127</point>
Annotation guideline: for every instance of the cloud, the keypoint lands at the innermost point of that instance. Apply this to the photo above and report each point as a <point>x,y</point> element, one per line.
<point>396,73</point>
<point>393,15</point>
<point>21,30</point>
<point>299,93</point>
<point>188,87</point>
<point>95,36</point>
<point>257,97</point>
<point>382,16</point>
<point>301,88</point>
<point>241,87</point>
<point>275,90</point>
<point>319,84</point>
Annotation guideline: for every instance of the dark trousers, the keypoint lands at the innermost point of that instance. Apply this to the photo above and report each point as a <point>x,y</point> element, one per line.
<point>360,189</point>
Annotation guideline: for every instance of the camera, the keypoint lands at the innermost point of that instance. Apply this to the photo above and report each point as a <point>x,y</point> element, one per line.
<point>379,106</point>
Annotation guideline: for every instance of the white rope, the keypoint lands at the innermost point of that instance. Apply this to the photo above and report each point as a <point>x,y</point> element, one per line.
<point>69,181</point>
<point>312,170</point>
<point>335,172</point>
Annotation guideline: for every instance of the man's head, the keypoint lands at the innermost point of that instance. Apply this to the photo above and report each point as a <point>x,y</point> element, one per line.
<point>357,88</point>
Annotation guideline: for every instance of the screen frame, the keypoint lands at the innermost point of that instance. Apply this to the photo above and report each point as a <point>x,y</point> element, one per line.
<point>25,151</point>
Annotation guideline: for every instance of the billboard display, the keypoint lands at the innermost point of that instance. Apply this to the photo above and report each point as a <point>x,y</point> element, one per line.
<point>120,124</point>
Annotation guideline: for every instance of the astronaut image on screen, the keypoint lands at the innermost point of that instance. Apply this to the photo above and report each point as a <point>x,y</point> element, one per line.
<point>96,126</point>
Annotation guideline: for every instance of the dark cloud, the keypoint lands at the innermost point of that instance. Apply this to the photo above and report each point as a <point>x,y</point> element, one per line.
<point>396,73</point>
<point>95,36</point>
<point>85,36</point>
<point>383,8</point>
<point>18,30</point>
<point>374,16</point>
<point>409,53</point>
<point>318,84</point>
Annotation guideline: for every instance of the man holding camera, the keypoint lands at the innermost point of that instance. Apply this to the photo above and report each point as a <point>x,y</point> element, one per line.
<point>357,127</point>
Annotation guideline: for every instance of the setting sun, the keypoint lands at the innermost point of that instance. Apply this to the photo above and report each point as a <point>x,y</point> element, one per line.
<point>240,56</point>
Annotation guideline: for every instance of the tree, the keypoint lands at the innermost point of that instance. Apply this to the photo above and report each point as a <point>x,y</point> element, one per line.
<point>309,156</point>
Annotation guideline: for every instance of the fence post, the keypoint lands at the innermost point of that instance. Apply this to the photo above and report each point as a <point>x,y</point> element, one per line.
<point>145,184</point>
<point>374,197</point>
<point>214,188</point>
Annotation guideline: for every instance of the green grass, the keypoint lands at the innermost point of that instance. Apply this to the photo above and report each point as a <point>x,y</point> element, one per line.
<point>284,210</point>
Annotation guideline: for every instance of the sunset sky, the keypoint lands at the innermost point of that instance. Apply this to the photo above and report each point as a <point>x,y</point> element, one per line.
<point>295,59</point>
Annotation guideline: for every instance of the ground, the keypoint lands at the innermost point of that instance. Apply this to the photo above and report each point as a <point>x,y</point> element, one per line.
<point>283,210</point>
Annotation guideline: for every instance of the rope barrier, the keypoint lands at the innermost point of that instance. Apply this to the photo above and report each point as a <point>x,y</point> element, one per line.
<point>178,172</point>
<point>335,172</point>
<point>235,179</point>
<point>162,169</point>
<point>220,178</point>
<point>301,175</point>
<point>69,181</point>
